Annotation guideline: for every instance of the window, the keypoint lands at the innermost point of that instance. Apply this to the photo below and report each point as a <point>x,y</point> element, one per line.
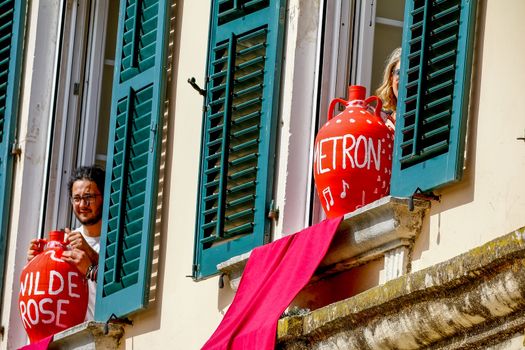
<point>12,20</point>
<point>83,103</point>
<point>238,140</point>
<point>112,77</point>
<point>357,36</point>
<point>437,41</point>
<point>433,95</point>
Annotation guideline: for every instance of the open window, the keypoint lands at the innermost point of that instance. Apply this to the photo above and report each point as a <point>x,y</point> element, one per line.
<point>437,41</point>
<point>357,36</point>
<point>81,123</point>
<point>110,102</point>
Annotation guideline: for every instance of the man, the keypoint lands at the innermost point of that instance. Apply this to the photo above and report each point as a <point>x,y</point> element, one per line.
<point>86,190</point>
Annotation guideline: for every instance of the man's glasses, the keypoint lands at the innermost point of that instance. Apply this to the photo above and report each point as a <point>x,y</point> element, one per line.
<point>88,199</point>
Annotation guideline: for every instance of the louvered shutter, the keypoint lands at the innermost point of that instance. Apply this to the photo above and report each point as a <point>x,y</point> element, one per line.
<point>433,94</point>
<point>133,158</point>
<point>12,17</point>
<point>238,130</point>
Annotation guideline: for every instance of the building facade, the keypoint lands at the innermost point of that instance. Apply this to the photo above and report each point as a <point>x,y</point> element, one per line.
<point>204,115</point>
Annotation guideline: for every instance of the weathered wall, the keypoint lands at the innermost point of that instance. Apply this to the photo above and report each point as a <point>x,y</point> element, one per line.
<point>472,301</point>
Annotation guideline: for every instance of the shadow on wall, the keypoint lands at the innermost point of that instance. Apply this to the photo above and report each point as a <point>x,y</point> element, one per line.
<point>461,193</point>
<point>225,295</point>
<point>339,286</point>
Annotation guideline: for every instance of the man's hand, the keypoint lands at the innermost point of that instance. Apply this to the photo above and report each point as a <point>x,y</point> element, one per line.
<point>78,258</point>
<point>36,246</point>
<point>77,241</point>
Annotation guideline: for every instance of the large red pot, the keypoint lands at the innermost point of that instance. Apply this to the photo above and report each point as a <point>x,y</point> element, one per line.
<point>353,155</point>
<point>53,293</point>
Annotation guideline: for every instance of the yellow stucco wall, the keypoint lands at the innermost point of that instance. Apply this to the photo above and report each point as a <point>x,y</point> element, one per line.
<point>490,199</point>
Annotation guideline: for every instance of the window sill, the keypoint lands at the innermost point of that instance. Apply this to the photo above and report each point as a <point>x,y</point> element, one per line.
<point>88,335</point>
<point>385,228</point>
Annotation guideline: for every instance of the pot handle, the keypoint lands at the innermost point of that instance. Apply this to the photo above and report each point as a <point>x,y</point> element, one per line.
<point>379,104</point>
<point>331,108</point>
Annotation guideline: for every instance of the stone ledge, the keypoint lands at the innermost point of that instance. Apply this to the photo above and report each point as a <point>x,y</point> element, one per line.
<point>368,233</point>
<point>234,268</point>
<point>475,298</point>
<point>88,335</point>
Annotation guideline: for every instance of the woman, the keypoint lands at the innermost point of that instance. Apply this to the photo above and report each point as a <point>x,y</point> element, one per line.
<point>387,92</point>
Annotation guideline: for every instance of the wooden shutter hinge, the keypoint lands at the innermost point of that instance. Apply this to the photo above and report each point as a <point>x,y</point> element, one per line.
<point>114,319</point>
<point>15,149</point>
<point>419,194</point>
<point>273,212</point>
<point>194,271</point>
<point>153,130</point>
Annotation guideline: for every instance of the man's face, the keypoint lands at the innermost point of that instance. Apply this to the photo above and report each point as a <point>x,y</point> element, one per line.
<point>87,202</point>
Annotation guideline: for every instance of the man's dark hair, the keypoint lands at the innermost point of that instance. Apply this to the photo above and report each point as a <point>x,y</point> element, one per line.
<point>91,173</point>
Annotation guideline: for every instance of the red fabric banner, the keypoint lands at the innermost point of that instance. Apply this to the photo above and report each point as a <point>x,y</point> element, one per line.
<point>42,344</point>
<point>273,276</point>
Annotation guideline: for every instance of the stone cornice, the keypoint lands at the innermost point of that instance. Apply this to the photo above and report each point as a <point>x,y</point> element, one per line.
<point>89,335</point>
<point>386,226</point>
<point>472,299</point>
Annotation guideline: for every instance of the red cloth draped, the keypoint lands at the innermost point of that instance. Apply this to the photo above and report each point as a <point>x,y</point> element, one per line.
<point>273,276</point>
<point>42,344</point>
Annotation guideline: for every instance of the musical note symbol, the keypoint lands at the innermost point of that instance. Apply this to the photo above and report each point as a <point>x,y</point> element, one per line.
<point>345,186</point>
<point>362,201</point>
<point>328,194</point>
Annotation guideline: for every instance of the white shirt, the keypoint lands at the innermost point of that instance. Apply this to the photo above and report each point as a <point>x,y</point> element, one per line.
<point>94,242</point>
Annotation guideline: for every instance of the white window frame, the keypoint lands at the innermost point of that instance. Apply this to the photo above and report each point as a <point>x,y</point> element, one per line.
<point>76,120</point>
<point>348,37</point>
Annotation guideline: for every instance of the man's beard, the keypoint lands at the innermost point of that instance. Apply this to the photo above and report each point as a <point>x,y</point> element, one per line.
<point>90,221</point>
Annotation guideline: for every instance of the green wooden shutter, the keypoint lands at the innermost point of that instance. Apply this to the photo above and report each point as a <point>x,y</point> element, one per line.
<point>133,158</point>
<point>238,142</point>
<point>433,94</point>
<point>12,17</point>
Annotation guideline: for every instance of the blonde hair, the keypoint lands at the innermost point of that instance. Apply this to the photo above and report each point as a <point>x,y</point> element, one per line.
<point>385,91</point>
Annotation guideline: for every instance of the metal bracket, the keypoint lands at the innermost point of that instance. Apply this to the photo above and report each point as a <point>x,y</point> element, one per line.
<point>76,89</point>
<point>521,138</point>
<point>419,194</point>
<point>194,85</point>
<point>114,319</point>
<point>221,280</point>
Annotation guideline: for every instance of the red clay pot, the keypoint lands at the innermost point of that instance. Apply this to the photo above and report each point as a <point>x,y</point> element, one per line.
<point>53,293</point>
<point>353,155</point>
